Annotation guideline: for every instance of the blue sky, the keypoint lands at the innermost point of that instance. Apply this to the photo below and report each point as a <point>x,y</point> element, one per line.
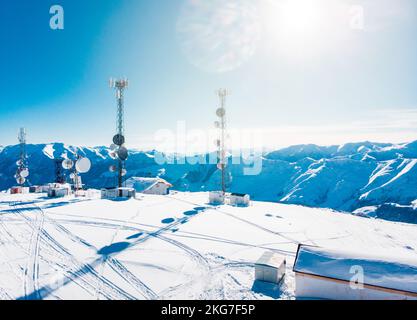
<point>298,72</point>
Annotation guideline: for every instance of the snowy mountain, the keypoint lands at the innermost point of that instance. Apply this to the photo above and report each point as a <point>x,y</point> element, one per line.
<point>372,179</point>
<point>173,247</point>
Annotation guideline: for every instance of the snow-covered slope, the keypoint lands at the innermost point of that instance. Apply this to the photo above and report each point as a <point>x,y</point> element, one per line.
<point>347,177</point>
<point>169,247</point>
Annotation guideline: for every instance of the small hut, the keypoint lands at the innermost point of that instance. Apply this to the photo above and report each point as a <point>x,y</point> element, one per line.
<point>114,193</point>
<point>341,275</point>
<point>57,190</point>
<point>239,199</point>
<point>35,189</point>
<point>156,186</point>
<point>19,190</point>
<point>216,197</point>
<point>270,267</point>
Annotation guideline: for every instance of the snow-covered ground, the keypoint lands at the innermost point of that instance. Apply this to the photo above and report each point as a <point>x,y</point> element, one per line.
<point>168,247</point>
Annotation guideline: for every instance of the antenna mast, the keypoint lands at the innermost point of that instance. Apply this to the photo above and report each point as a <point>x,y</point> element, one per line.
<point>119,139</point>
<point>59,177</point>
<point>221,143</point>
<point>22,167</point>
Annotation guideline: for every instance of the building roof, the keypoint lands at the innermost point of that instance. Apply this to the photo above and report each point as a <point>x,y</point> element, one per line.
<point>270,258</point>
<point>384,272</point>
<point>142,184</point>
<point>239,194</point>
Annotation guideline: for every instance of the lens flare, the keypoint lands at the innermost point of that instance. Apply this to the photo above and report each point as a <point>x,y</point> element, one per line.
<point>218,36</point>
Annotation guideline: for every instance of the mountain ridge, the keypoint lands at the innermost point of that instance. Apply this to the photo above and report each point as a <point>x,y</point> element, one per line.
<point>347,177</point>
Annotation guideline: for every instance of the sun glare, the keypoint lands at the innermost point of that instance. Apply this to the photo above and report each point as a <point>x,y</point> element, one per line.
<point>300,17</point>
<point>302,26</point>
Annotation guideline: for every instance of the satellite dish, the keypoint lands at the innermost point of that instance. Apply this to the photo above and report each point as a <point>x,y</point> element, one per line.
<point>124,172</point>
<point>113,147</point>
<point>122,153</point>
<point>118,139</point>
<point>24,173</point>
<point>20,180</point>
<point>83,165</point>
<point>67,164</point>
<point>72,176</point>
<point>19,162</point>
<point>112,168</point>
<point>113,155</point>
<point>221,112</point>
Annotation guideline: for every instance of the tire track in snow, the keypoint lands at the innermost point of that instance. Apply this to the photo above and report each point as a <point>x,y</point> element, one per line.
<point>129,277</point>
<point>74,269</point>
<point>116,265</point>
<point>31,273</point>
<point>126,274</point>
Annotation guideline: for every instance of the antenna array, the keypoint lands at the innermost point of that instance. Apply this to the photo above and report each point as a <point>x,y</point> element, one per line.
<point>221,142</point>
<point>22,166</point>
<point>81,165</point>
<point>118,148</point>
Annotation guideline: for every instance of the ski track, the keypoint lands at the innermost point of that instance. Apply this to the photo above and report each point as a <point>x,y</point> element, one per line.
<point>116,265</point>
<point>74,269</point>
<point>31,273</point>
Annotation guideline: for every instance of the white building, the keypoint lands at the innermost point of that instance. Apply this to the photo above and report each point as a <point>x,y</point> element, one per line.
<point>270,267</point>
<point>35,189</point>
<point>19,190</point>
<point>57,190</point>
<point>334,274</point>
<point>118,193</point>
<point>238,199</point>
<point>149,185</point>
<point>216,197</point>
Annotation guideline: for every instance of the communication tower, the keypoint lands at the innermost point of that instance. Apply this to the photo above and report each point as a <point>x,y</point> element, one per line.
<point>221,142</point>
<point>119,151</point>
<point>22,172</point>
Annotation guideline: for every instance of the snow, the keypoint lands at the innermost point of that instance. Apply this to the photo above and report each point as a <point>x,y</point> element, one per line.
<point>169,247</point>
<point>49,151</point>
<point>392,272</point>
<point>343,178</point>
<point>141,184</point>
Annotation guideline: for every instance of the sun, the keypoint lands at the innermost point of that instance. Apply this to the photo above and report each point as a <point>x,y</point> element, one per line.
<point>301,17</point>
<point>301,27</point>
<point>297,18</point>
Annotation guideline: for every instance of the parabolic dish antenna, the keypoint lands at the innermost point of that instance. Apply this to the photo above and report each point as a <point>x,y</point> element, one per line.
<point>24,173</point>
<point>67,164</point>
<point>20,180</point>
<point>122,153</point>
<point>113,147</point>
<point>83,165</point>
<point>124,172</point>
<point>19,162</point>
<point>72,176</point>
<point>118,139</point>
<point>221,112</point>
